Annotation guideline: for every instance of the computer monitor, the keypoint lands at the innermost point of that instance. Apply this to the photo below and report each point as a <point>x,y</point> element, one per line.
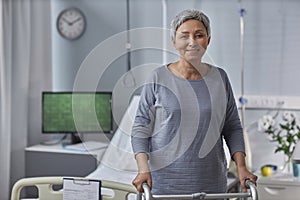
<point>77,112</point>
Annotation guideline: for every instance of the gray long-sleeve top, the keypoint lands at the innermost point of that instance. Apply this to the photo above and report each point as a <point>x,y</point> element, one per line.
<point>180,124</point>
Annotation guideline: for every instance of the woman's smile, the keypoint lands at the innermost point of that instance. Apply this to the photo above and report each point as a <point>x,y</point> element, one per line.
<point>191,40</point>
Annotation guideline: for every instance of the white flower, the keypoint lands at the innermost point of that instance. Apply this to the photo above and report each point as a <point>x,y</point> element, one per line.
<point>294,131</point>
<point>288,116</point>
<point>286,134</point>
<point>265,123</point>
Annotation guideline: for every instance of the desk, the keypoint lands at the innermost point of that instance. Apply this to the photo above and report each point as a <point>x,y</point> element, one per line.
<point>56,160</point>
<point>278,187</point>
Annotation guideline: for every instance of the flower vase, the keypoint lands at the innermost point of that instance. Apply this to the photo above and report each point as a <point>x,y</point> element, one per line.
<point>287,165</point>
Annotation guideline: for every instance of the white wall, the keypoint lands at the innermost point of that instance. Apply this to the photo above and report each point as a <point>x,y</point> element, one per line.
<point>104,19</point>
<point>271,47</point>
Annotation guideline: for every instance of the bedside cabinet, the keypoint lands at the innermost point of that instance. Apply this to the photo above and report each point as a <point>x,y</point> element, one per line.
<point>278,187</point>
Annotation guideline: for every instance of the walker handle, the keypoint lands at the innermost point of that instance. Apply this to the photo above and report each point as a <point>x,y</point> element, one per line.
<point>252,188</point>
<point>253,194</point>
<point>147,192</point>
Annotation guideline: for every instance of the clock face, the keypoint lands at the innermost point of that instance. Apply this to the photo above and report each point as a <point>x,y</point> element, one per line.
<point>71,23</point>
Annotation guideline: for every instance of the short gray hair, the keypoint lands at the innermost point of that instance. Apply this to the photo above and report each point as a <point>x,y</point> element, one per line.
<point>186,15</point>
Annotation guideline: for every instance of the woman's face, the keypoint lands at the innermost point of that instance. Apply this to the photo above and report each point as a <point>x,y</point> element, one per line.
<point>191,40</point>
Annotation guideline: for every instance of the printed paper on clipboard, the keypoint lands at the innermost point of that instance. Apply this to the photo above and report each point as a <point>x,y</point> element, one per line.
<point>78,189</point>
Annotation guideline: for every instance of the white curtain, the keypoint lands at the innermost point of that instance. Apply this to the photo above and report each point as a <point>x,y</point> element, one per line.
<point>5,96</point>
<point>14,90</point>
<point>25,70</point>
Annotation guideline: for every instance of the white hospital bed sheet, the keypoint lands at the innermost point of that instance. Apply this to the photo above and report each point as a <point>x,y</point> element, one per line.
<point>106,173</point>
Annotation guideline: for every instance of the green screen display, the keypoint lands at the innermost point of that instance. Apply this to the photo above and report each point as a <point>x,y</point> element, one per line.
<point>67,112</point>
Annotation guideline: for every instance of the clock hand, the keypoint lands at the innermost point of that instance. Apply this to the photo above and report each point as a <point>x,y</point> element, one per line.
<point>76,20</point>
<point>69,23</point>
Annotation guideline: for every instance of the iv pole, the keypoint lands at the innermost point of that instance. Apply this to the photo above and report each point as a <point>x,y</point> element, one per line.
<point>242,99</point>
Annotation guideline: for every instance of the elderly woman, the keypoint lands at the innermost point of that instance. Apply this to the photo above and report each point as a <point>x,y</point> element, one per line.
<point>186,108</point>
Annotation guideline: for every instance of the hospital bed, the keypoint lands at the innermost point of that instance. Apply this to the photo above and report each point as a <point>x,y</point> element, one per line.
<point>110,190</point>
<point>118,164</point>
<point>118,191</point>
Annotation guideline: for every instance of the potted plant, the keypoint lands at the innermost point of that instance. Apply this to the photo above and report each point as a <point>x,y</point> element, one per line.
<point>285,133</point>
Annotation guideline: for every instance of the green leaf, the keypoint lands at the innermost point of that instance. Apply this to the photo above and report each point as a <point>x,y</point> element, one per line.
<point>290,138</point>
<point>285,127</point>
<point>280,140</point>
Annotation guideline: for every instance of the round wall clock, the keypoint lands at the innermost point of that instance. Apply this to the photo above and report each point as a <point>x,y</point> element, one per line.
<point>71,23</point>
